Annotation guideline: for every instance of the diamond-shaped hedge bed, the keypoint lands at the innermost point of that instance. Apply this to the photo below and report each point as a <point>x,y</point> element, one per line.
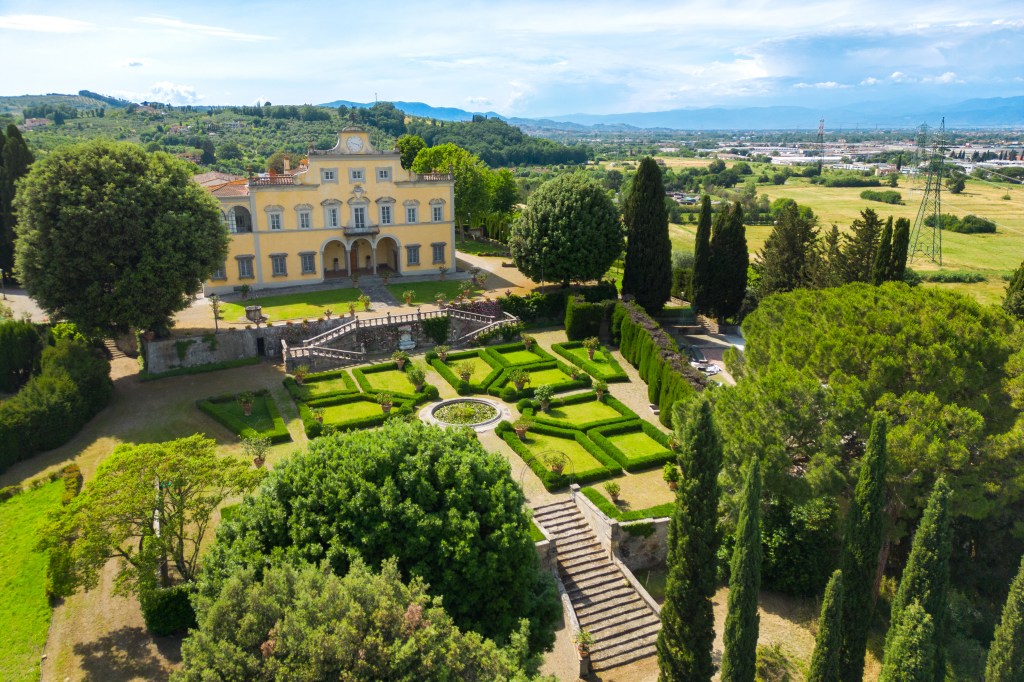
<point>321,385</point>
<point>264,419</point>
<point>580,411</point>
<point>602,366</point>
<point>485,370</point>
<point>552,373</point>
<point>633,444</point>
<point>516,354</point>
<point>588,461</point>
<point>347,412</point>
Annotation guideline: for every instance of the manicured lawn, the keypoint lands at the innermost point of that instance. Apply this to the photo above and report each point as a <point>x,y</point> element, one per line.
<point>338,415</point>
<point>582,460</point>
<point>604,368</point>
<point>480,248</point>
<point>318,388</point>
<point>636,444</point>
<point>543,377</point>
<point>302,305</point>
<point>521,357</point>
<point>393,380</point>
<point>535,533</point>
<point>24,609</point>
<point>583,413</point>
<point>426,292</point>
<point>259,420</point>
<point>480,367</point>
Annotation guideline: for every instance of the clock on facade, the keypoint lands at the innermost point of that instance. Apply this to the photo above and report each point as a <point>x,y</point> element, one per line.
<point>354,143</point>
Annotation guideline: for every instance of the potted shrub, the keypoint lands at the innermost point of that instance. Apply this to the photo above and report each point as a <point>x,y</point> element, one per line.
<point>555,463</point>
<point>442,352</point>
<point>318,414</point>
<point>255,447</point>
<point>544,395</point>
<point>300,373</point>
<point>519,378</point>
<point>407,295</point>
<point>481,279</point>
<point>673,443</point>
<point>464,370</point>
<point>521,426</point>
<point>247,399</point>
<point>385,401</point>
<point>671,475</point>
<point>352,308</point>
<point>528,341</point>
<point>328,312</point>
<point>244,291</point>
<point>417,377</point>
<point>600,388</point>
<point>440,297</point>
<point>442,270</point>
<point>355,279</point>
<point>584,640</point>
<point>576,373</point>
<point>467,290</point>
<point>385,277</point>
<point>365,300</point>
<point>613,489</point>
<point>591,344</point>
<point>400,357</point>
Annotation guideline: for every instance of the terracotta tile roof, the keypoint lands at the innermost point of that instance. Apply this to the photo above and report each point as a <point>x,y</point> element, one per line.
<point>235,188</point>
<point>213,178</point>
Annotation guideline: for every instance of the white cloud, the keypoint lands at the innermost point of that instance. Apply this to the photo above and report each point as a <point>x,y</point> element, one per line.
<point>479,101</point>
<point>133,63</point>
<point>165,92</point>
<point>44,24</point>
<point>900,77</point>
<point>870,80</point>
<point>827,85</point>
<point>216,31</point>
<point>948,77</point>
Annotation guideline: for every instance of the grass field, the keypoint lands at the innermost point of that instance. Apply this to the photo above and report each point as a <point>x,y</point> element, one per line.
<point>636,444</point>
<point>582,461</point>
<point>338,415</point>
<point>260,419</point>
<point>317,388</point>
<point>24,609</point>
<point>393,380</point>
<point>426,292</point>
<point>605,369</point>
<point>520,357</point>
<point>543,377</point>
<point>583,413</point>
<point>298,306</point>
<point>480,367</point>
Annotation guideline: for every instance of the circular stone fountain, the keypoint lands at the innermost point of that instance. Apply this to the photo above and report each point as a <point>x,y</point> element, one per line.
<point>478,414</point>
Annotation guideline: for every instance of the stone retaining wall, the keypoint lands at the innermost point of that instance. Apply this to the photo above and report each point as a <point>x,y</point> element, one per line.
<point>635,551</point>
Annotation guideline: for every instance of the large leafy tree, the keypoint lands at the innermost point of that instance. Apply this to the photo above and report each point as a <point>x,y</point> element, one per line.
<point>703,285</point>
<point>569,232</point>
<point>825,659</point>
<point>433,498</point>
<point>504,191</point>
<point>862,541</point>
<point>15,159</point>
<point>739,661</point>
<point>1006,654</point>
<point>786,261</point>
<point>472,178</point>
<point>687,619</point>
<point>409,146</point>
<point>729,262</point>
<point>298,622</point>
<point>925,579</point>
<point>111,237</point>
<point>648,269</point>
<point>174,486</point>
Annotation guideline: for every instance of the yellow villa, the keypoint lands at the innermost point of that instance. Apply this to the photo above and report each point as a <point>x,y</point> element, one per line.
<point>350,210</point>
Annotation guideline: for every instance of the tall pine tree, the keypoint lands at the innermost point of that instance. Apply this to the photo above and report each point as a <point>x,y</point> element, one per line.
<point>787,257</point>
<point>857,256</point>
<point>687,619</point>
<point>648,269</point>
<point>15,159</point>
<point>702,285</point>
<point>729,262</point>
<point>1013,300</point>
<point>925,579</point>
<point>739,661</point>
<point>865,522</point>
<point>900,247</point>
<point>825,660</point>
<point>1006,654</point>
<point>910,651</point>
<point>880,271</point>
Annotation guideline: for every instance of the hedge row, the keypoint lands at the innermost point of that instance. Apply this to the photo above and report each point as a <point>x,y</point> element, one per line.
<point>528,408</point>
<point>600,435</point>
<point>582,319</point>
<point>467,387</point>
<point>315,428</point>
<point>611,511</point>
<point>72,386</point>
<point>21,344</point>
<point>215,407</point>
<point>496,353</point>
<point>198,369</point>
<point>646,346</point>
<point>364,384</point>
<point>510,395</point>
<point>298,393</point>
<point>549,478</point>
<point>537,306</point>
<point>591,367</point>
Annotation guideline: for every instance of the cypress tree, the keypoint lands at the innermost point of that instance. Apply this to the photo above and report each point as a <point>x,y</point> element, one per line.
<point>857,256</point>
<point>909,653</point>
<point>786,259</point>
<point>648,269</point>
<point>900,247</point>
<point>1006,655</point>
<point>1013,301</point>
<point>739,661</point>
<point>825,660</point>
<point>880,271</point>
<point>861,545</point>
<point>687,619</point>
<point>825,270</point>
<point>702,285</point>
<point>15,158</point>
<point>729,262</point>
<point>925,579</point>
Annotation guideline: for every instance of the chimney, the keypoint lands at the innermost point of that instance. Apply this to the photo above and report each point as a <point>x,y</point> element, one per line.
<point>287,166</point>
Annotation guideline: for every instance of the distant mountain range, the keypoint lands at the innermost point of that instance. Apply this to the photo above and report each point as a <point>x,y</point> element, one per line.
<point>994,112</point>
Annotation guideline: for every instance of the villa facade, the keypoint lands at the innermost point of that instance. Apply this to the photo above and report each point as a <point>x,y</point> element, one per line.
<point>349,210</point>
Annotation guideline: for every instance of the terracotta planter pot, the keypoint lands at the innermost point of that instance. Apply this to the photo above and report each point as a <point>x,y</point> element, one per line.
<point>400,363</point>
<point>443,357</point>
<point>299,380</point>
<point>590,353</point>
<point>558,470</point>
<point>545,405</point>
<point>258,462</point>
<point>247,409</point>
<point>522,434</point>
<point>600,395</point>
<point>519,385</point>
<point>418,387</point>
<point>386,409</point>
<point>528,345</point>
<point>673,485</point>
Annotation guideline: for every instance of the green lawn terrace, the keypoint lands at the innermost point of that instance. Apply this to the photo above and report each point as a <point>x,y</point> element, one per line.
<point>303,305</point>
<point>578,411</point>
<point>517,354</point>
<point>485,369</point>
<point>552,373</point>
<point>264,418</point>
<point>427,292</point>
<point>321,385</point>
<point>386,377</point>
<point>603,366</point>
<point>635,445</point>
<point>560,456</point>
<point>348,412</point>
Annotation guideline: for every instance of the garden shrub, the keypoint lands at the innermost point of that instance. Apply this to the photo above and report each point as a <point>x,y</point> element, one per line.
<point>551,306</point>
<point>436,328</point>
<point>600,434</point>
<point>21,344</point>
<point>886,196</point>
<point>640,530</point>
<point>218,409</point>
<point>951,276</point>
<point>167,610</point>
<point>582,319</point>
<point>800,546</point>
<point>551,480</point>
<point>969,224</point>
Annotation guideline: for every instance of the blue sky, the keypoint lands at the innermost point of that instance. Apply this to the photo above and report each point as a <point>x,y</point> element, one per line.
<point>520,59</point>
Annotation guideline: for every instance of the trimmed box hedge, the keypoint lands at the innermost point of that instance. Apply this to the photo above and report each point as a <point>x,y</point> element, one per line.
<point>611,511</point>
<point>223,409</point>
<point>467,387</point>
<point>549,478</point>
<point>360,374</point>
<point>307,390</point>
<point>611,371</point>
<point>510,395</point>
<point>530,409</point>
<point>600,435</point>
<point>315,428</point>
<point>498,353</point>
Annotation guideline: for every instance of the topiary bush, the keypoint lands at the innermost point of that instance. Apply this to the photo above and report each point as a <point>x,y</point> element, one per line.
<point>167,610</point>
<point>582,319</point>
